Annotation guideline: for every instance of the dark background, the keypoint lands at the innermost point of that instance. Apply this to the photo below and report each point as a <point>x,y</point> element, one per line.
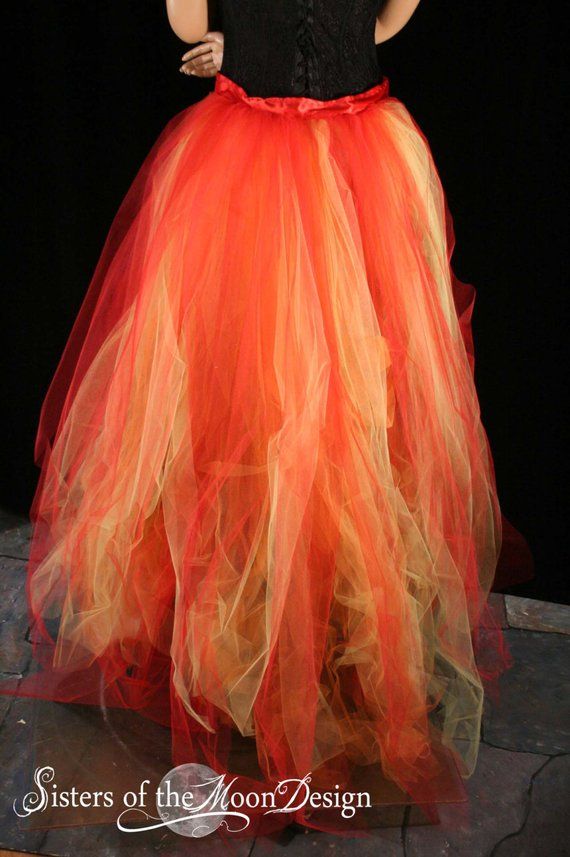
<point>89,86</point>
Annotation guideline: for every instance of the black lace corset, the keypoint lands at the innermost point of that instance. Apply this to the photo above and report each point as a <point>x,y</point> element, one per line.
<point>317,48</point>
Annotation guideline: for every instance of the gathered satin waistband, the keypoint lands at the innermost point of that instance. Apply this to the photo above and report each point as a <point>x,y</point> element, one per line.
<point>301,105</point>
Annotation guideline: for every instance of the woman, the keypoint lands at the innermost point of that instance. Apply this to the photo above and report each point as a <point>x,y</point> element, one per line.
<point>267,506</point>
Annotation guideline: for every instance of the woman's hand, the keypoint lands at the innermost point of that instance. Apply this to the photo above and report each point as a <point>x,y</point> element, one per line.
<point>205,60</point>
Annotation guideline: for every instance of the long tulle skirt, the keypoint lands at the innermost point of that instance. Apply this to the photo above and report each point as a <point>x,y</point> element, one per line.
<point>267,505</point>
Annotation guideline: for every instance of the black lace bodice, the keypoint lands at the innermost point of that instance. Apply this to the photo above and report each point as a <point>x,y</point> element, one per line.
<point>317,48</point>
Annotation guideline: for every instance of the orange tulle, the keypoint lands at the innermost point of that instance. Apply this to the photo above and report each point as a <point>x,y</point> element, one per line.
<point>267,505</point>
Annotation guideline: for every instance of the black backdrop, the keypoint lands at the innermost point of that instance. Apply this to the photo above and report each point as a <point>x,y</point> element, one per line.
<point>89,85</point>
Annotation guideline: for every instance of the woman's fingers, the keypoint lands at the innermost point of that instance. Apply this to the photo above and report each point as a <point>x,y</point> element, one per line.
<point>197,51</point>
<point>205,44</point>
<point>205,59</point>
<point>199,68</point>
<point>198,62</point>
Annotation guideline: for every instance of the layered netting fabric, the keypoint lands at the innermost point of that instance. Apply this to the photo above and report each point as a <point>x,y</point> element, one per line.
<point>267,505</point>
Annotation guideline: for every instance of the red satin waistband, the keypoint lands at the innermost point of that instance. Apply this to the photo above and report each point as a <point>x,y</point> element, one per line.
<point>300,104</point>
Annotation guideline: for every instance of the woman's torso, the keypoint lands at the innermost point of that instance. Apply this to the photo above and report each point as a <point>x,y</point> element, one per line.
<point>315,48</point>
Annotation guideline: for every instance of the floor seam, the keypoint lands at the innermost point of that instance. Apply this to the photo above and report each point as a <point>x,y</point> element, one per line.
<point>529,752</point>
<point>494,850</point>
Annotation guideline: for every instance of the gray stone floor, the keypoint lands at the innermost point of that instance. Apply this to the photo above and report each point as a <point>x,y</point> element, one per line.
<point>518,796</point>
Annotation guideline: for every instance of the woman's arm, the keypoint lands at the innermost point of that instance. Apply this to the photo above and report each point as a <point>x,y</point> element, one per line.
<point>188,18</point>
<point>394,15</point>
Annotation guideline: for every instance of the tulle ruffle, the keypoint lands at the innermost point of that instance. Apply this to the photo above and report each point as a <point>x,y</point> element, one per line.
<point>267,504</point>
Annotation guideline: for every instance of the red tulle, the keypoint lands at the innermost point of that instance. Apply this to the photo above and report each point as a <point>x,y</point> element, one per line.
<point>267,513</point>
